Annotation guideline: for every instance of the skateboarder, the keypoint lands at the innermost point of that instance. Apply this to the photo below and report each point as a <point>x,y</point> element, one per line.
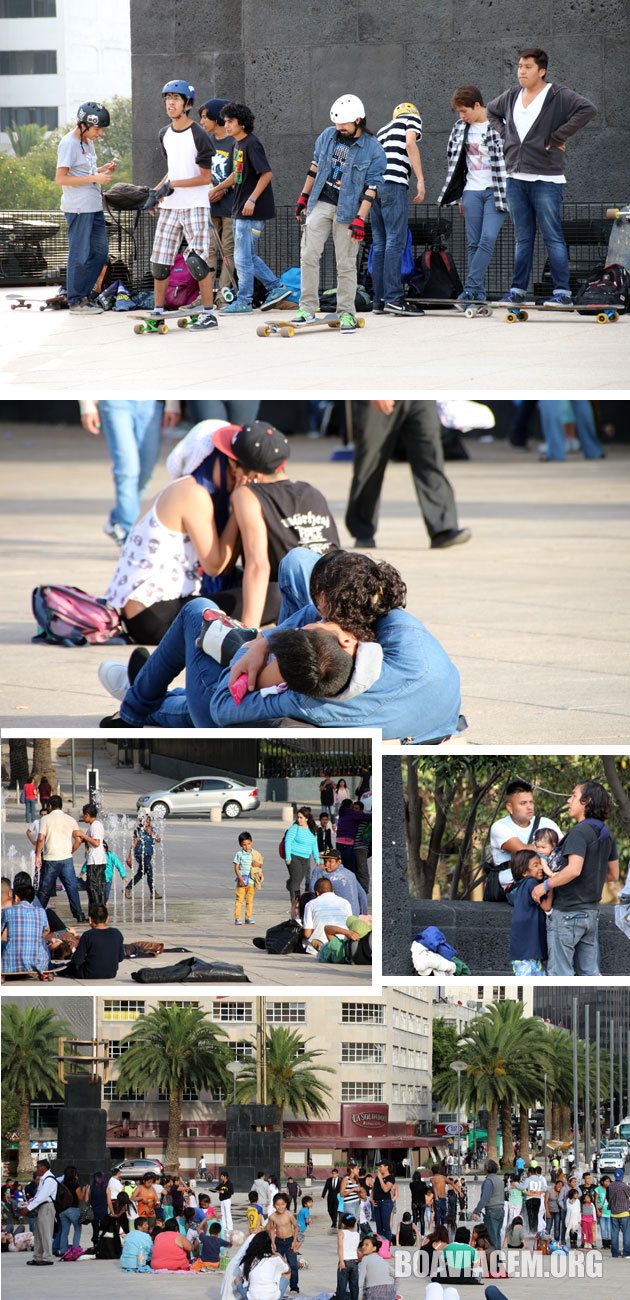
<point>347,169</point>
<point>183,209</point>
<point>399,138</point>
<point>252,205</point>
<point>476,180</point>
<point>212,121</point>
<point>535,120</point>
<point>82,205</point>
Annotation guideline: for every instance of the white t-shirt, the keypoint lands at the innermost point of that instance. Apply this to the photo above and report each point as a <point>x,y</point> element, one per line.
<point>524,119</point>
<point>57,829</point>
<point>114,1187</point>
<point>535,1183</point>
<point>187,152</point>
<point>264,1278</point>
<point>479,171</point>
<point>80,159</point>
<point>350,1243</point>
<point>506,829</point>
<point>96,855</point>
<point>327,909</point>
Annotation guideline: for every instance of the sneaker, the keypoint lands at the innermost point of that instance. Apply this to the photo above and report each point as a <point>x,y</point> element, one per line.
<point>205,320</point>
<point>450,537</point>
<point>237,308</point>
<point>303,317</point>
<point>117,677</point>
<point>513,298</point>
<point>558,300</point>
<point>86,308</point>
<point>238,922</point>
<point>116,532</point>
<point>365,543</point>
<point>248,920</point>
<point>276,295</point>
<point>128,891</point>
<point>402,308</point>
<point>156,895</point>
<point>347,323</point>
<point>115,721</point>
<point>377,310</point>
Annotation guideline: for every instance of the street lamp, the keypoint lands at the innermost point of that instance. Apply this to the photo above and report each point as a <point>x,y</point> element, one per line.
<point>459,1067</point>
<point>235,1068</point>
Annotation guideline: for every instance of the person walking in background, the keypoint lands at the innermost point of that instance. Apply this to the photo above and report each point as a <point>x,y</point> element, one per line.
<point>145,837</point>
<point>399,138</point>
<point>58,838</point>
<point>30,798</point>
<point>222,168</point>
<point>132,433</point>
<point>300,845</point>
<point>554,416</point>
<point>476,181</point>
<point>381,425</point>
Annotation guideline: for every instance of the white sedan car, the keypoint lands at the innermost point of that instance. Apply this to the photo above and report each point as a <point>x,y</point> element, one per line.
<point>198,794</point>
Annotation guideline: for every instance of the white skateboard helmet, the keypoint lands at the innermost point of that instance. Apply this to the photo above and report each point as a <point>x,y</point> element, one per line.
<point>347,109</point>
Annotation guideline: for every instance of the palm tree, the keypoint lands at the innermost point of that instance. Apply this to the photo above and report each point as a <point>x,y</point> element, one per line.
<point>174,1048</point>
<point>18,762</point>
<point>43,760</point>
<point>30,1039</point>
<point>293,1081</point>
<point>26,137</point>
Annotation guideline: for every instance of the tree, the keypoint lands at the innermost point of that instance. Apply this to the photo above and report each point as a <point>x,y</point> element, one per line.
<point>174,1048</point>
<point>29,1066</point>
<point>293,1077</point>
<point>445,1050</point>
<point>18,762</point>
<point>43,764</point>
<point>26,137</point>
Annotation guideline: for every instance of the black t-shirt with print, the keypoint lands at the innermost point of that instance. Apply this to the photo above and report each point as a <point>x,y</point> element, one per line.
<point>592,841</point>
<point>250,161</point>
<point>296,514</point>
<point>338,162</point>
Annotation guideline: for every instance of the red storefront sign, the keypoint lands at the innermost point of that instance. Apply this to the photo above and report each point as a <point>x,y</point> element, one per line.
<point>364,1119</point>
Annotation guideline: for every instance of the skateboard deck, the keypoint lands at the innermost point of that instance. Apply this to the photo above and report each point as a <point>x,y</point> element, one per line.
<point>150,323</point>
<point>602,312</point>
<point>21,301</point>
<point>288,328</point>
<point>469,310</point>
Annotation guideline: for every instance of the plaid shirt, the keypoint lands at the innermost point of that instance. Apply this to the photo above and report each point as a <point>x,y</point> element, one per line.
<point>25,949</point>
<point>495,154</point>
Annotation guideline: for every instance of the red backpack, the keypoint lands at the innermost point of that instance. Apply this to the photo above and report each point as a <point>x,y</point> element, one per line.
<point>68,616</point>
<point>182,288</point>
<point>281,848</point>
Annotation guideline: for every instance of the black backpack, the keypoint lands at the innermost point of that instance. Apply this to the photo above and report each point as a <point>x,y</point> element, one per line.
<point>493,891</point>
<point>607,286</point>
<point>283,938</point>
<point>63,1198</point>
<point>123,197</point>
<point>435,276</point>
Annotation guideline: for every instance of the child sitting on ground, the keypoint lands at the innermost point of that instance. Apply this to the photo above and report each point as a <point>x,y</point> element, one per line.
<point>528,937</point>
<point>243,863</point>
<point>211,1243</point>
<point>311,660</point>
<point>515,1235</point>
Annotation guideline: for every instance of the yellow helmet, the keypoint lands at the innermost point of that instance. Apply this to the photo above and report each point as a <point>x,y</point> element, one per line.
<point>404,108</point>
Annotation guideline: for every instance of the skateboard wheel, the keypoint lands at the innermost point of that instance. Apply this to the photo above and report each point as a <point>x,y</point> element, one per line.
<point>28,305</point>
<point>228,295</point>
<point>287,331</point>
<point>182,322</point>
<point>510,317</point>
<point>139,328</point>
<point>162,329</point>
<point>263,331</point>
<point>333,324</point>
<point>523,315</point>
<point>614,316</point>
<point>486,311</point>
<point>601,318</point>
<point>360,322</point>
<point>470,312</point>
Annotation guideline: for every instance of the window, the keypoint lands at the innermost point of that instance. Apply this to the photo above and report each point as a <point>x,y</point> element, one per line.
<point>424,1028</point>
<point>480,992</point>
<point>403,1057</point>
<point>111,1093</point>
<point>21,63</point>
<point>179,1002</point>
<point>122,1009</point>
<point>498,993</point>
<point>117,1049</point>
<point>395,1018</point>
<point>286,1013</point>
<point>353,1053</point>
<point>394,1056</point>
<point>10,117</point>
<point>395,1093</point>
<point>362,1013</point>
<point>188,1094</point>
<point>519,993</point>
<point>28,9</point>
<point>243,1051</point>
<point>362,1091</point>
<point>233,1012</point>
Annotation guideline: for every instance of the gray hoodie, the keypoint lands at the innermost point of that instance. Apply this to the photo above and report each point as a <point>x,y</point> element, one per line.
<point>562,114</point>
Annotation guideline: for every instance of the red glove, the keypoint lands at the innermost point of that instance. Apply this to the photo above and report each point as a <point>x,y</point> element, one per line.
<point>300,206</point>
<point>357,229</point>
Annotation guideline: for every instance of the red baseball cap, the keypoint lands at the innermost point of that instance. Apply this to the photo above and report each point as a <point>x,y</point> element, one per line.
<point>256,446</point>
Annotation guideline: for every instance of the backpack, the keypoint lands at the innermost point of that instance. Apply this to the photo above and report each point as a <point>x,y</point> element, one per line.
<point>70,617</point>
<point>281,848</point>
<point>435,276</point>
<point>182,288</point>
<point>284,937</point>
<point>407,264</point>
<point>493,891</point>
<point>72,1253</point>
<point>607,286</point>
<point>124,197</point>
<point>62,1198</point>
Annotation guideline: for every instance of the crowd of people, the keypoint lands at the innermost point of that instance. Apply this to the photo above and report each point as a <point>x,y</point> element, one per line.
<point>553,878</point>
<point>216,195</point>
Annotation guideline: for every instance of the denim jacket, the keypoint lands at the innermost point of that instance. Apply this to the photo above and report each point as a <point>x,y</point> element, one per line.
<point>365,168</point>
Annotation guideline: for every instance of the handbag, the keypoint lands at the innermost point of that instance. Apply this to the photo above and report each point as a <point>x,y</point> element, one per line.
<point>86,1213</point>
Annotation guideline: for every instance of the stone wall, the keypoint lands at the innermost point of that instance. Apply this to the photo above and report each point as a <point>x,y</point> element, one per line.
<point>289,61</point>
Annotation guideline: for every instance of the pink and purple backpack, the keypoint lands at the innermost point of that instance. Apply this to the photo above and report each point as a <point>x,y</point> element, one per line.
<point>68,616</point>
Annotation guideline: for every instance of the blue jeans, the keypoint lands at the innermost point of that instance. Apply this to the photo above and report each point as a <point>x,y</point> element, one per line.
<point>483,223</point>
<point>283,1247</point>
<point>69,1219</point>
<point>553,430</point>
<point>618,1225</point>
<point>30,809</point>
<point>132,433</point>
<point>87,252</point>
<point>247,262</point>
<point>383,1218</point>
<point>389,234</point>
<point>493,1220</point>
<point>62,870</point>
<point>554,1224</point>
<point>572,942</point>
<point>531,204</point>
<point>231,412</point>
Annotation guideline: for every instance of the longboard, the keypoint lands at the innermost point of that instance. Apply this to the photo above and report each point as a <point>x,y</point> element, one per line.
<point>48,304</point>
<point>469,309</point>
<point>602,312</point>
<point>287,328</point>
<point>150,323</point>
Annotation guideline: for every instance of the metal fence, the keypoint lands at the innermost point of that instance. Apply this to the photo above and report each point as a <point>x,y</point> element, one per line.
<point>313,757</point>
<point>33,245</point>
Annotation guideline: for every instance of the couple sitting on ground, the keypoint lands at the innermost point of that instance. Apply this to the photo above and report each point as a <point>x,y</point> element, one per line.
<point>345,653</point>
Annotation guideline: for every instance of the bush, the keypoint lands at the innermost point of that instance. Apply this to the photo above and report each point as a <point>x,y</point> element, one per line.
<point>30,182</point>
<point>23,188</point>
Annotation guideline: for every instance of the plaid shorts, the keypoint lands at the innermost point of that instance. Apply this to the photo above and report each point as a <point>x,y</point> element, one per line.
<point>173,225</point>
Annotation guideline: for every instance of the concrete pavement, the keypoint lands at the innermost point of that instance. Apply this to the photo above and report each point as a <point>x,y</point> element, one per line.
<point>44,353</point>
<point>533,610</point>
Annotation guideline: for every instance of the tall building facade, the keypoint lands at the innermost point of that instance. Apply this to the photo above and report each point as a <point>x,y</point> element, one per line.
<point>54,54</point>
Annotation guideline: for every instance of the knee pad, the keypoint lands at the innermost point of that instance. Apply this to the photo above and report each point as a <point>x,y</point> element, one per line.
<point>196,265</point>
<point>159,271</point>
